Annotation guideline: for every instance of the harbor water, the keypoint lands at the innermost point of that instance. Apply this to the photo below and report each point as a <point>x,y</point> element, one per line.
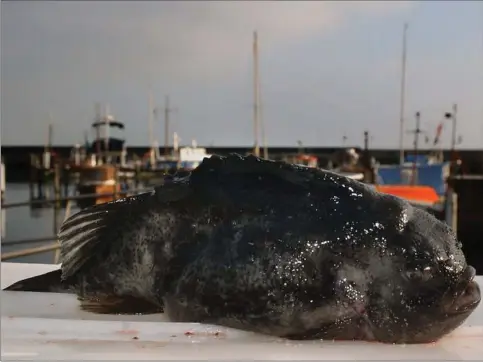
<point>26,223</point>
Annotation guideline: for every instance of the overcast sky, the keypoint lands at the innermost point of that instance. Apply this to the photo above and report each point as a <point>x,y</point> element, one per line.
<point>326,68</point>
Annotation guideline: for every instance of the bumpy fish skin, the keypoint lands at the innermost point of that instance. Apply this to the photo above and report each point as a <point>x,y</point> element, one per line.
<point>274,248</point>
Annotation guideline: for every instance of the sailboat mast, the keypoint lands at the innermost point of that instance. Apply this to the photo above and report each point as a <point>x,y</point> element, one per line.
<point>256,148</point>
<point>260,109</point>
<point>403,96</point>
<point>150,119</point>
<point>167,110</point>
<point>262,125</point>
<point>152,154</point>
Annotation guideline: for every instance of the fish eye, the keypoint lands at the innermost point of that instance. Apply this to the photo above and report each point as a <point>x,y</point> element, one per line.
<point>421,275</point>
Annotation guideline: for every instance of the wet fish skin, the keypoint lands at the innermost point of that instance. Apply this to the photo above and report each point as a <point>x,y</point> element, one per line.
<point>273,248</point>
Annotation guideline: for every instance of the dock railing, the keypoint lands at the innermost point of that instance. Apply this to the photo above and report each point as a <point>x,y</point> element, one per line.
<point>54,202</point>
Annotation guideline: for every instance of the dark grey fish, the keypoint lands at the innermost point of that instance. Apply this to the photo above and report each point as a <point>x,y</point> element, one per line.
<point>273,248</point>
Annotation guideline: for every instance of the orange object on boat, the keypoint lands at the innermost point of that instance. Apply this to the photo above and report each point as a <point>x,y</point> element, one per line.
<point>108,189</point>
<point>423,194</point>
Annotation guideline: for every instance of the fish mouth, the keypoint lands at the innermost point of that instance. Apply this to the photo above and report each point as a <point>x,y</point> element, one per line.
<point>468,294</point>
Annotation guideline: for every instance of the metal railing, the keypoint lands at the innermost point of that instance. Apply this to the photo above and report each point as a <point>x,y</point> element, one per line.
<point>55,246</point>
<point>70,198</point>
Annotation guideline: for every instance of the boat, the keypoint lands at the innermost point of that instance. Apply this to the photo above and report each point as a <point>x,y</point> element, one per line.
<point>100,180</point>
<point>101,166</point>
<point>105,148</point>
<point>182,159</point>
<point>421,180</point>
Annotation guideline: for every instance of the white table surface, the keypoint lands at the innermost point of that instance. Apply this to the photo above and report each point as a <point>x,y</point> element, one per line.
<point>50,326</point>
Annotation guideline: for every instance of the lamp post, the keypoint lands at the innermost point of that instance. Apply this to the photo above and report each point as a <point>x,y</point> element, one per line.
<point>417,131</point>
<point>452,117</point>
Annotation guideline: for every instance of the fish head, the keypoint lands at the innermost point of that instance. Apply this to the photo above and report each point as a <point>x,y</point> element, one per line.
<point>430,290</point>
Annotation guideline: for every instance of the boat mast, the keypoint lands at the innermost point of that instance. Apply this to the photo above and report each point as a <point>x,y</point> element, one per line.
<point>260,115</point>
<point>98,118</point>
<point>48,145</point>
<point>417,132</point>
<point>106,132</point>
<point>403,96</point>
<point>167,110</point>
<point>256,148</point>
<point>151,128</point>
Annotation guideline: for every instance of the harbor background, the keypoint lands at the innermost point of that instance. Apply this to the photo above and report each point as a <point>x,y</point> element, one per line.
<point>17,160</point>
<point>30,222</point>
<point>329,77</point>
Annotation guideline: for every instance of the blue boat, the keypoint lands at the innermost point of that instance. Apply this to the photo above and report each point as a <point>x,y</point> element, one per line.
<point>426,171</point>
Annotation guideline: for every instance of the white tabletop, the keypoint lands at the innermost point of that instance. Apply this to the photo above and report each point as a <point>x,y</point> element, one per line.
<point>50,326</point>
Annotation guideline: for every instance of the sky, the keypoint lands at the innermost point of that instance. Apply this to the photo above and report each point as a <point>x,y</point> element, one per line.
<point>327,69</point>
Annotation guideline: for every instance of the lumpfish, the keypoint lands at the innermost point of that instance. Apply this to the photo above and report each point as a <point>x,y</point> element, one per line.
<point>273,248</point>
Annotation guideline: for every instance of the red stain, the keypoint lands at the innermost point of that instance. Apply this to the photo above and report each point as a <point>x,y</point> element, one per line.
<point>127,331</point>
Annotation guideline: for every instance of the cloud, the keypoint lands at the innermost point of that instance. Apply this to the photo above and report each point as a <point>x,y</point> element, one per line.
<point>187,40</point>
<point>62,56</point>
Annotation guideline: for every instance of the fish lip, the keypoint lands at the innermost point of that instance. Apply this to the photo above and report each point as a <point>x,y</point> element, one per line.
<point>467,284</point>
<point>466,277</point>
<point>468,308</point>
<point>470,273</point>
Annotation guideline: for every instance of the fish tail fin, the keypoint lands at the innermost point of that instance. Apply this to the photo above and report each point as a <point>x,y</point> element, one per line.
<point>47,282</point>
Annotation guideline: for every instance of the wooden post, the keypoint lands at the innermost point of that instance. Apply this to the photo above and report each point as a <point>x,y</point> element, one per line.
<point>454,219</point>
<point>137,172</point>
<point>2,211</point>
<point>116,183</point>
<point>66,180</point>
<point>39,177</point>
<point>57,194</point>
<point>31,178</point>
<point>451,209</point>
<point>2,181</point>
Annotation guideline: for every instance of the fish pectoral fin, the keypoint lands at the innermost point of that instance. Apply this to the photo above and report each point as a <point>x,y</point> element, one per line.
<point>95,229</point>
<point>115,304</point>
